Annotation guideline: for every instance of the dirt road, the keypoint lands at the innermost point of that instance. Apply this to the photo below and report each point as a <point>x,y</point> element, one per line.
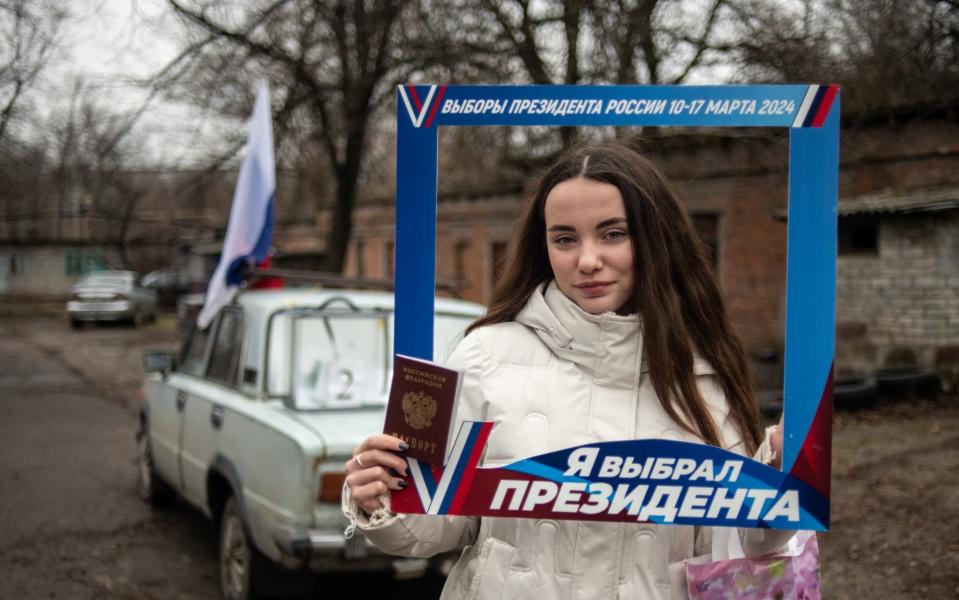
<point>895,503</point>
<point>74,527</point>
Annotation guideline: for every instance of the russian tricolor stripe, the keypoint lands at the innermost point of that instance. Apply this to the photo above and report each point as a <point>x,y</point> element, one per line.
<point>423,479</point>
<point>456,475</point>
<point>815,106</point>
<point>422,109</point>
<point>479,434</point>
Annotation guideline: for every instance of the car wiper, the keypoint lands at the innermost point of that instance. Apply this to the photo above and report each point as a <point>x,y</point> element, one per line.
<point>326,320</point>
<point>329,332</point>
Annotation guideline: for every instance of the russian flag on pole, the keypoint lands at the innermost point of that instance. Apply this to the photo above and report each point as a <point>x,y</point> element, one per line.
<point>250,230</point>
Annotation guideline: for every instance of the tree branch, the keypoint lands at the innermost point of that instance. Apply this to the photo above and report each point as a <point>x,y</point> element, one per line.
<point>239,37</point>
<point>701,45</point>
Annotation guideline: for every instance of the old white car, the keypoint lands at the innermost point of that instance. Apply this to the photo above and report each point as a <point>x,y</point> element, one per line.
<point>253,423</point>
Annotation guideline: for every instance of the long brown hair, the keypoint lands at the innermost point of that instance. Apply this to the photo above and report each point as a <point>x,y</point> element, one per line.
<point>675,291</point>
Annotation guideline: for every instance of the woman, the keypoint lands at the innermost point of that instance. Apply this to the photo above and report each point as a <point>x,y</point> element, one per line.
<point>608,325</point>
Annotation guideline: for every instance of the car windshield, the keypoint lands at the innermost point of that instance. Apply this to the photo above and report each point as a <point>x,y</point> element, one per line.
<point>340,359</point>
<point>329,360</point>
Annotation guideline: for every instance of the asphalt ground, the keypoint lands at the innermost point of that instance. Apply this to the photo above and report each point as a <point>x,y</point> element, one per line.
<point>73,524</point>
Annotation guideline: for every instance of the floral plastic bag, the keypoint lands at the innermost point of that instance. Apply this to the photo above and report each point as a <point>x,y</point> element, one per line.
<point>790,575</point>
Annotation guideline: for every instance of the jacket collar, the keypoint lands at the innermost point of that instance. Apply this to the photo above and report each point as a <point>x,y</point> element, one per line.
<point>608,347</point>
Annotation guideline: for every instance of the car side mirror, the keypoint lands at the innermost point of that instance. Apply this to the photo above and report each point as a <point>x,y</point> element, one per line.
<point>158,362</point>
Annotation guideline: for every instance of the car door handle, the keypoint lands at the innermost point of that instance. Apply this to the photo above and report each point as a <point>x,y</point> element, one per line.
<point>216,417</point>
<point>180,401</point>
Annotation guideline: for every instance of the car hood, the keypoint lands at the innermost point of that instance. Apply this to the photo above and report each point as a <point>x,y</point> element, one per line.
<point>343,430</point>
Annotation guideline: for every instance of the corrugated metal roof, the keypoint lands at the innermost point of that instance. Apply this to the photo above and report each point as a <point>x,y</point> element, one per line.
<point>894,202</point>
<point>927,200</point>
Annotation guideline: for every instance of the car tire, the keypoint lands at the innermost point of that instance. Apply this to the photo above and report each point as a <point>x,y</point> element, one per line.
<point>75,324</point>
<point>235,556</point>
<point>854,393</point>
<point>245,573</point>
<point>900,382</point>
<point>150,487</point>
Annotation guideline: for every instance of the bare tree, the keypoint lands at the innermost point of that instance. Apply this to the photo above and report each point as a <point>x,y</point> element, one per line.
<point>91,146</point>
<point>32,30</point>
<point>332,65</point>
<point>587,41</point>
<point>883,52</point>
<point>31,36</point>
<point>73,181</point>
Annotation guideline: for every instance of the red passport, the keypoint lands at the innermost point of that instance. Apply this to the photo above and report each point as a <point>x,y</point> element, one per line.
<point>423,397</point>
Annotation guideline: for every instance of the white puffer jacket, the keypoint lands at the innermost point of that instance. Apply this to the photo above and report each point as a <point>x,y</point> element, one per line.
<point>560,377</point>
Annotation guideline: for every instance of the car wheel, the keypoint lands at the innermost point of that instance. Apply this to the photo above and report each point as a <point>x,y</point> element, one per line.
<point>854,393</point>
<point>245,573</point>
<point>149,485</point>
<point>237,555</point>
<point>75,324</point>
<point>907,381</point>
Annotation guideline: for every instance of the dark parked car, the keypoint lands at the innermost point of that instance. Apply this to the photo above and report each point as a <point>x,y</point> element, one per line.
<point>168,285</point>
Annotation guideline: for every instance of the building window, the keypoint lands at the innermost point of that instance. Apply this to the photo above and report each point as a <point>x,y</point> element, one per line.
<point>707,226</point>
<point>498,257</point>
<point>459,262</point>
<point>78,262</point>
<point>74,264</point>
<point>18,265</point>
<point>359,258</point>
<point>858,236</point>
<point>390,258</point>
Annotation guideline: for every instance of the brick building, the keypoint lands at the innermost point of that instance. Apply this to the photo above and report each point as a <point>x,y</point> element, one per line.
<point>898,263</point>
<point>898,279</point>
<point>734,183</point>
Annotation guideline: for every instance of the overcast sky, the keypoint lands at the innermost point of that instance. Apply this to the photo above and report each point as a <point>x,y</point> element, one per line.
<point>113,45</point>
<point>114,40</point>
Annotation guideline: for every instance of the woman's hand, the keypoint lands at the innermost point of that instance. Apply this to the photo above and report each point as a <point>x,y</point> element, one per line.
<point>369,474</point>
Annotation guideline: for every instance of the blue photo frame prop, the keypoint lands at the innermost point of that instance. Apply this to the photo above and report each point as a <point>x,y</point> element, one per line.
<point>810,112</point>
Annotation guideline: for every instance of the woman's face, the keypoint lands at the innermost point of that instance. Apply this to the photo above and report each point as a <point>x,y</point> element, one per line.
<point>589,246</point>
